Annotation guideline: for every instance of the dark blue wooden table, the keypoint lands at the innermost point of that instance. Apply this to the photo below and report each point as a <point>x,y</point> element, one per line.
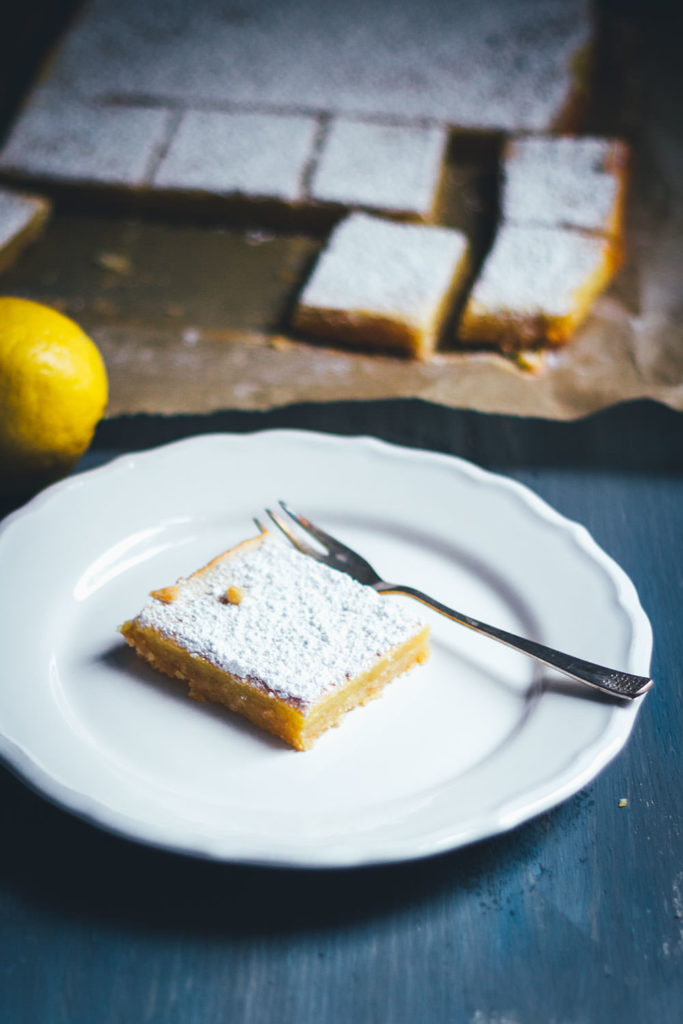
<point>573,918</point>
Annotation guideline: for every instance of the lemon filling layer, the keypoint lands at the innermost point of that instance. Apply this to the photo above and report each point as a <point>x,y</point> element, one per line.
<point>303,644</point>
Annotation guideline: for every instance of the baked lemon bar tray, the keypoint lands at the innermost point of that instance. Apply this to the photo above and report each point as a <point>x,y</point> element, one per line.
<point>278,638</point>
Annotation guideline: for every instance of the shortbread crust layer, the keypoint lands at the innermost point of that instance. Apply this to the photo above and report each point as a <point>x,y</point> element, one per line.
<point>277,637</point>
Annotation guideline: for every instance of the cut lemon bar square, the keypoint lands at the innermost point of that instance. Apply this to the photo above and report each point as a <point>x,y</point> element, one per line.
<point>394,169</point>
<point>278,638</point>
<point>384,284</point>
<point>536,287</point>
<point>565,181</point>
<point>22,218</point>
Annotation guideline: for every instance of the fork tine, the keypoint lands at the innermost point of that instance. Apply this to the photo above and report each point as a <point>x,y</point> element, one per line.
<point>332,552</point>
<point>331,543</point>
<point>291,536</point>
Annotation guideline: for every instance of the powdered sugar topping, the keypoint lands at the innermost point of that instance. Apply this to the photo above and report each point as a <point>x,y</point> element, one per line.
<point>300,629</point>
<point>254,154</point>
<point>16,213</point>
<point>393,167</point>
<point>76,142</point>
<point>371,265</point>
<point>500,64</point>
<point>562,180</point>
<point>536,270</point>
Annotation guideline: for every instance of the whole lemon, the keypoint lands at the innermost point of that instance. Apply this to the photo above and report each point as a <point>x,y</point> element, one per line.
<point>53,392</point>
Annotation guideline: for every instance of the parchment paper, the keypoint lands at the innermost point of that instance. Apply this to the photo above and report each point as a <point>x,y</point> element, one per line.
<point>192,319</point>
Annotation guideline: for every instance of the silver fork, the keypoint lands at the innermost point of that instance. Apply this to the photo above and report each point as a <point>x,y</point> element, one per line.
<point>339,556</point>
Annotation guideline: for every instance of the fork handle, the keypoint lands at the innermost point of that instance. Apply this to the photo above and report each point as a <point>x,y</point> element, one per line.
<point>609,680</point>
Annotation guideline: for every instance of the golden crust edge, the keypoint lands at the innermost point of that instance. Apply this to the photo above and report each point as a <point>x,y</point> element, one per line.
<point>42,208</point>
<point>264,709</point>
<point>360,327</point>
<point>511,331</point>
<point>171,592</point>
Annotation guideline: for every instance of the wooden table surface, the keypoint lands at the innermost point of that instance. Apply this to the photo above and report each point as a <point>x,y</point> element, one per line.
<point>573,918</point>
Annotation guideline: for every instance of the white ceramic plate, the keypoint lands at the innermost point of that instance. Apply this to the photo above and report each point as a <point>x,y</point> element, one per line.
<point>469,745</point>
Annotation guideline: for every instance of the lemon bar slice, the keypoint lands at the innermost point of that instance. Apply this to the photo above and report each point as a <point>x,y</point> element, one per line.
<point>277,637</point>
<point>383,284</point>
<point>565,181</point>
<point>22,218</point>
<point>251,154</point>
<point>536,287</point>
<point>395,169</point>
<point>87,145</point>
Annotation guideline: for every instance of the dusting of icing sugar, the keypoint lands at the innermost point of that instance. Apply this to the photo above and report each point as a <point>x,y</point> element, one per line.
<point>561,180</point>
<point>225,153</point>
<point>300,629</point>
<point>500,65</point>
<point>536,270</point>
<point>382,166</point>
<point>77,142</point>
<point>376,266</point>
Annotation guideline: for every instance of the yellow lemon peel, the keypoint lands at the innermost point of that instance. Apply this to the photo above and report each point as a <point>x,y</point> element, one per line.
<point>53,391</point>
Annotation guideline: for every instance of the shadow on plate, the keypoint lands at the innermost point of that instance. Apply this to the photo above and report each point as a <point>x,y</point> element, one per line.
<point>123,659</point>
